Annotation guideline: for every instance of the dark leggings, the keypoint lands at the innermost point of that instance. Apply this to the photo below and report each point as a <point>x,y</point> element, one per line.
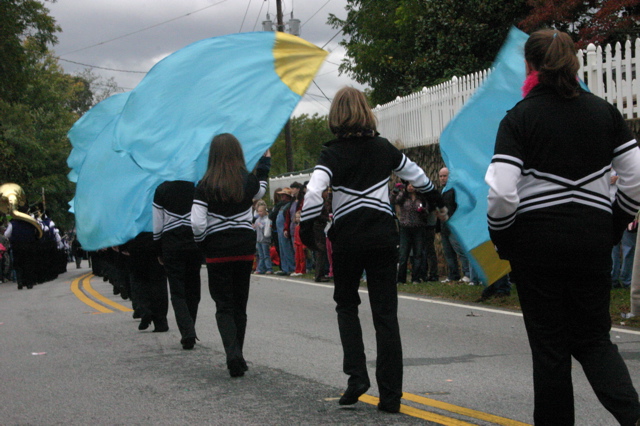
<point>566,313</point>
<point>380,266</point>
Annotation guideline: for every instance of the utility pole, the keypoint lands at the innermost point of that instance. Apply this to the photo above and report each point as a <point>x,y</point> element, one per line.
<point>287,127</point>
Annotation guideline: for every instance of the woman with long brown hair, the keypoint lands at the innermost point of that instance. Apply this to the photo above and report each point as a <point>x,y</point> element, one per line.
<point>221,218</point>
<point>551,216</point>
<point>357,166</point>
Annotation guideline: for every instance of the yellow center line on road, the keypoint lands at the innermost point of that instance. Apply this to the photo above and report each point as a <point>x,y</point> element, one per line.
<point>86,284</point>
<point>75,288</point>
<point>462,410</point>
<point>421,414</point>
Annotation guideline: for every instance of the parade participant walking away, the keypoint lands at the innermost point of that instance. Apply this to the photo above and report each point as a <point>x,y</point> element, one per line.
<point>148,282</point>
<point>76,251</point>
<point>550,215</point>
<point>357,165</point>
<point>23,237</point>
<point>180,254</point>
<point>221,219</point>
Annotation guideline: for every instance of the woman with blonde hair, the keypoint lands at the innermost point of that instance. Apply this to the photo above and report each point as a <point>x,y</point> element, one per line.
<point>551,216</point>
<point>221,218</point>
<point>357,165</point>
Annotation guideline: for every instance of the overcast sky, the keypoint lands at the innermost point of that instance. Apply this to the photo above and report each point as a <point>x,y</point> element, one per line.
<point>99,33</point>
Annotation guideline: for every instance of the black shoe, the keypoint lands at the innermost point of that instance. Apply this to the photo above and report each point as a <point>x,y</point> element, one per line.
<point>188,343</point>
<point>322,280</point>
<point>352,394</point>
<point>161,327</point>
<point>145,323</point>
<point>282,273</point>
<point>236,369</point>
<point>19,286</point>
<point>136,315</point>
<point>389,407</point>
<point>124,293</point>
<point>29,287</point>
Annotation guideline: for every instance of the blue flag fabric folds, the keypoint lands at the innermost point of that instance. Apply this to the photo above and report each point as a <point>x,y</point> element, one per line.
<point>245,84</point>
<point>467,145</point>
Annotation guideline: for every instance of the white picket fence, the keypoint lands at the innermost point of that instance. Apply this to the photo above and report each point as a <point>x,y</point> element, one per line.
<point>419,119</point>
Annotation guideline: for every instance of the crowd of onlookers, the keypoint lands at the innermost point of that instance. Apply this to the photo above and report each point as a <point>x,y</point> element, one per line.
<point>280,251</point>
<point>278,236</point>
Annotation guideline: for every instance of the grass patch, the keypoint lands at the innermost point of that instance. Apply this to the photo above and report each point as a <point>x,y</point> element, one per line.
<point>461,292</point>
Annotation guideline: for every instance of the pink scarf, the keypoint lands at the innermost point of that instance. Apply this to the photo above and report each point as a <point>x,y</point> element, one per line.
<point>529,83</point>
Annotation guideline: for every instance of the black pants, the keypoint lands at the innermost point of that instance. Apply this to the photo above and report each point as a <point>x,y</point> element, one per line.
<point>183,272</point>
<point>150,282</point>
<point>25,263</point>
<point>429,265</point>
<point>566,313</point>
<point>229,288</point>
<point>320,253</point>
<point>380,266</point>
<point>411,239</point>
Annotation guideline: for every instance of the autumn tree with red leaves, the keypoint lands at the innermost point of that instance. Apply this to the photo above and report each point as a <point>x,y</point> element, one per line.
<point>592,21</point>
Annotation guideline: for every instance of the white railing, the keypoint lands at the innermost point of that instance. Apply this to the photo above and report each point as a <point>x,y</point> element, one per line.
<point>419,119</point>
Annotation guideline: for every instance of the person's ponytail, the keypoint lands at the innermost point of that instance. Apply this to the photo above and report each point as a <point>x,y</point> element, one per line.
<point>553,55</point>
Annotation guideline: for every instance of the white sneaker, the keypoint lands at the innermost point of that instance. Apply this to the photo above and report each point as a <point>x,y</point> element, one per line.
<point>446,280</point>
<point>296,274</point>
<point>465,279</point>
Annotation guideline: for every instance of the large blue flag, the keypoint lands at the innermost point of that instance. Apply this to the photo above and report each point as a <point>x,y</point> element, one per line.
<point>245,84</point>
<point>467,145</point>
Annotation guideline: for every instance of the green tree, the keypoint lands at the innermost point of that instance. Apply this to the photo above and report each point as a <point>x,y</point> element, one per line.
<point>97,88</point>
<point>38,105</point>
<point>33,132</point>
<point>593,21</point>
<point>308,133</point>
<point>19,20</point>
<point>399,46</point>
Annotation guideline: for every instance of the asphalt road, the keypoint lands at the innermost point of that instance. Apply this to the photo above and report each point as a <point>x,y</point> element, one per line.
<point>63,361</point>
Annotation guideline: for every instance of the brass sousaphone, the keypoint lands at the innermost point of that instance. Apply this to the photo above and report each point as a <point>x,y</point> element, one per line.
<point>11,197</point>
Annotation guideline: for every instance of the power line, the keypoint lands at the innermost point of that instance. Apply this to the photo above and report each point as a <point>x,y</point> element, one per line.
<point>316,96</point>
<point>311,98</point>
<point>245,16</point>
<point>101,68</point>
<point>143,29</point>
<point>258,17</point>
<point>343,25</point>
<point>316,84</point>
<point>321,7</point>
<point>328,72</point>
<point>119,88</point>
